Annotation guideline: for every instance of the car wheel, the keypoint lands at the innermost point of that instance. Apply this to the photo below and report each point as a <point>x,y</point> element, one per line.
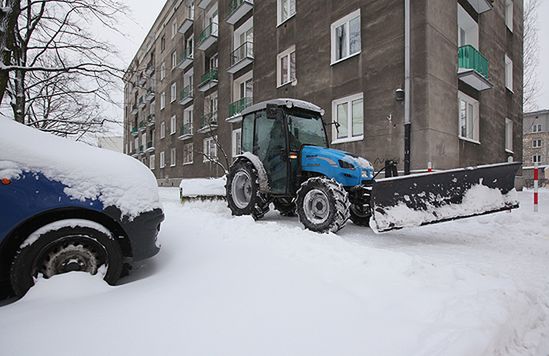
<point>65,249</point>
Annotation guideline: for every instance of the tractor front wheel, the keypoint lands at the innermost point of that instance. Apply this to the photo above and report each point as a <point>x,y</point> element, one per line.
<point>322,205</point>
<point>243,194</point>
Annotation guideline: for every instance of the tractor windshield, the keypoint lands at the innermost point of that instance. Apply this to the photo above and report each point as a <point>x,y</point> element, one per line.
<point>305,129</point>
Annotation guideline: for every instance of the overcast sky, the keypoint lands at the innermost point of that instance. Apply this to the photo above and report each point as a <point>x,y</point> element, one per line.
<point>144,13</point>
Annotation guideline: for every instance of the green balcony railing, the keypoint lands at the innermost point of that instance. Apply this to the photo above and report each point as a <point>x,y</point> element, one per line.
<point>208,120</point>
<point>236,4</point>
<point>187,129</point>
<point>246,50</point>
<point>238,106</point>
<point>209,76</point>
<point>209,31</point>
<point>142,125</point>
<point>470,58</point>
<point>186,93</point>
<point>134,131</point>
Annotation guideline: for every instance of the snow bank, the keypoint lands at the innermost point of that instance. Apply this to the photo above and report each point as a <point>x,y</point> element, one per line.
<point>203,187</point>
<point>477,200</point>
<point>88,172</point>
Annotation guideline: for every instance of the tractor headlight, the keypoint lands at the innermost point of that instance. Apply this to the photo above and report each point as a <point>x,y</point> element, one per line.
<point>365,174</point>
<point>346,165</point>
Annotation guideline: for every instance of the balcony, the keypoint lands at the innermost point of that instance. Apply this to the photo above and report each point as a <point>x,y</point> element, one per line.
<point>186,131</point>
<point>236,108</point>
<point>481,6</point>
<point>186,58</point>
<point>204,3</point>
<point>237,10</point>
<point>241,57</point>
<point>473,68</point>
<point>142,126</point>
<point>150,96</point>
<point>135,110</point>
<point>208,37</point>
<point>208,122</point>
<point>150,69</point>
<point>186,95</point>
<point>140,150</point>
<point>187,24</point>
<point>151,120</point>
<point>208,80</point>
<point>134,131</point>
<point>142,81</point>
<point>141,103</point>
<point>150,147</point>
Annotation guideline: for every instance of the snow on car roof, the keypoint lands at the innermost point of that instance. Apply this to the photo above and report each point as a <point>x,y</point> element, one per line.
<point>88,172</point>
<point>283,102</point>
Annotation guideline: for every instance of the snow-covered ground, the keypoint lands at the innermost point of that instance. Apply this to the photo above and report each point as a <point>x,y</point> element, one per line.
<point>224,285</point>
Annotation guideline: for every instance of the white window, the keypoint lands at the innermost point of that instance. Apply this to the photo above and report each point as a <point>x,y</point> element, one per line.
<point>467,29</point>
<point>174,59</point>
<point>152,161</point>
<point>172,157</point>
<point>136,143</point>
<point>162,129</point>
<point>188,120</point>
<point>348,112</point>
<point>536,159</point>
<point>173,92</point>
<point>189,45</point>
<point>285,10</point>
<point>173,125</point>
<point>188,153</point>
<point>508,73</point>
<point>162,160</point>
<point>509,135</point>
<point>236,146</point>
<point>537,143</point>
<point>174,28</point>
<point>286,67</point>
<point>162,101</point>
<point>536,128</point>
<point>210,149</point>
<point>346,39</point>
<point>162,71</point>
<point>468,118</point>
<point>509,14</point>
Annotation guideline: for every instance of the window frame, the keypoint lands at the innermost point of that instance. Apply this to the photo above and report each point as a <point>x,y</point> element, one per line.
<point>345,21</point>
<point>349,101</point>
<point>537,140</point>
<point>537,158</point>
<point>509,14</point>
<point>536,128</point>
<point>207,156</point>
<point>152,162</point>
<point>173,157</point>
<point>509,135</point>
<point>173,92</point>
<point>162,160</point>
<point>162,100</point>
<point>173,125</point>
<point>162,130</point>
<point>162,71</point>
<point>186,152</point>
<point>174,59</point>
<point>476,122</point>
<point>279,20</point>
<point>174,28</point>
<point>509,73</point>
<point>286,53</point>
<point>235,143</point>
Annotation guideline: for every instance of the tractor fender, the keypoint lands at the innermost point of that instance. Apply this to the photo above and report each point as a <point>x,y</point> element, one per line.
<point>261,173</point>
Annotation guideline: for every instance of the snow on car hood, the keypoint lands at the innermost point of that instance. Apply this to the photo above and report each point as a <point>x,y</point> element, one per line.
<point>87,172</point>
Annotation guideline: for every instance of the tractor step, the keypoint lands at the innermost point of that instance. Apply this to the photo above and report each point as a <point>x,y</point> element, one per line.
<point>431,198</point>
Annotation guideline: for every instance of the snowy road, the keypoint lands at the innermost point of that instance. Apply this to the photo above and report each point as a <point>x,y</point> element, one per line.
<point>230,286</point>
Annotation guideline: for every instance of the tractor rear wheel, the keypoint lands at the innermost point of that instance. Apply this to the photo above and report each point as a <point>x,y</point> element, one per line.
<point>243,194</point>
<point>322,205</point>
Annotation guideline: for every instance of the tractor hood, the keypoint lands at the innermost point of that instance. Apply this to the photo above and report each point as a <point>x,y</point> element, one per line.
<point>346,168</point>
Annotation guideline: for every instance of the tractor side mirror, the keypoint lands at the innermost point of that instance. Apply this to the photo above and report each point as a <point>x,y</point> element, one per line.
<point>336,124</point>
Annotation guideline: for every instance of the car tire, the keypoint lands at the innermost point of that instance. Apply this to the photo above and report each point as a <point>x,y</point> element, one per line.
<point>62,250</point>
<point>242,191</point>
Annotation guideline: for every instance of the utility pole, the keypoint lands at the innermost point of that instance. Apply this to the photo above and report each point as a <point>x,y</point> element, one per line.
<point>407,89</point>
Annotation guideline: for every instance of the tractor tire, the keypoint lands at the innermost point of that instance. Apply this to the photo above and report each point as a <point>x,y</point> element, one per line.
<point>285,206</point>
<point>243,196</point>
<point>322,205</point>
<point>358,217</point>
<point>62,250</point>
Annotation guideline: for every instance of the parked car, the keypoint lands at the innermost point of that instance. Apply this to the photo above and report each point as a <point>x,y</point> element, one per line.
<point>66,206</point>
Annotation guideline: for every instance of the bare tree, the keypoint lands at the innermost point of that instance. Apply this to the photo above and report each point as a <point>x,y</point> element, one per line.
<point>531,54</point>
<point>9,13</point>
<point>223,162</point>
<point>59,72</point>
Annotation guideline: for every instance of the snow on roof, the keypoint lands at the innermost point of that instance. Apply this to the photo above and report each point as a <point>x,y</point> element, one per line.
<point>283,102</point>
<point>88,172</point>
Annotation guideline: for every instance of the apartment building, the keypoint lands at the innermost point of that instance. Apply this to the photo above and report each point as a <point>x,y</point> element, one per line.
<point>204,61</point>
<point>536,138</point>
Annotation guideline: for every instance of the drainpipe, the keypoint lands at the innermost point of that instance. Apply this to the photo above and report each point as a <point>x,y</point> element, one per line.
<point>407,91</point>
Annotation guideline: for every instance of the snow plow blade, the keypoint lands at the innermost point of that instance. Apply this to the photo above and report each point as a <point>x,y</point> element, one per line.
<point>431,198</point>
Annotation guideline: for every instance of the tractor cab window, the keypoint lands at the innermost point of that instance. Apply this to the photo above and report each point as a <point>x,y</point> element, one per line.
<point>305,129</point>
<point>248,133</point>
<point>269,146</point>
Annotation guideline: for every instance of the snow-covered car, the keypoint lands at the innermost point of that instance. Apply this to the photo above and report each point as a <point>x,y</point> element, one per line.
<point>66,206</point>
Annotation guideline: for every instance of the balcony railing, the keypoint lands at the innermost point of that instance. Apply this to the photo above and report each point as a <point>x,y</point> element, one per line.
<point>150,120</point>
<point>237,9</point>
<point>150,69</point>
<point>186,130</point>
<point>134,131</point>
<point>470,58</point>
<point>141,102</point>
<point>135,110</point>
<point>142,125</point>
<point>241,57</point>
<point>208,36</point>
<point>140,148</point>
<point>208,77</point>
<point>186,94</point>
<point>208,122</point>
<point>150,146</point>
<point>238,106</point>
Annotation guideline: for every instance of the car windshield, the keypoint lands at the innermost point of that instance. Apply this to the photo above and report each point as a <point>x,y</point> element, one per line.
<point>305,129</point>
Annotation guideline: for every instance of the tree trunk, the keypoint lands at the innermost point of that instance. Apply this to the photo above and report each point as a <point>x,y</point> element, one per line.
<point>8,20</point>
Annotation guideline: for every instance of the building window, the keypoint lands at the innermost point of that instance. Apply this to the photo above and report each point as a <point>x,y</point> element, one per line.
<point>162,71</point>
<point>236,146</point>
<point>536,143</point>
<point>508,73</point>
<point>174,28</point>
<point>536,159</point>
<point>173,92</point>
<point>285,10</point>
<point>162,101</point>
<point>536,128</point>
<point>286,68</point>
<point>189,46</point>
<point>136,144</point>
<point>173,124</point>
<point>345,36</point>
<point>468,118</point>
<point>188,153</point>
<point>509,14</point>
<point>509,135</point>
<point>174,59</point>
<point>162,44</point>
<point>188,120</point>
<point>151,161</point>
<point>210,149</point>
<point>162,130</point>
<point>162,160</point>
<point>172,157</point>
<point>348,112</point>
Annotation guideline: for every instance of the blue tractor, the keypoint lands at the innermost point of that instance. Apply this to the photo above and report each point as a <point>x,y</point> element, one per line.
<point>286,161</point>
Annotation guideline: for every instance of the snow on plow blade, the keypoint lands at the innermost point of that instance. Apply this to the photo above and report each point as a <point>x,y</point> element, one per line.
<point>443,196</point>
